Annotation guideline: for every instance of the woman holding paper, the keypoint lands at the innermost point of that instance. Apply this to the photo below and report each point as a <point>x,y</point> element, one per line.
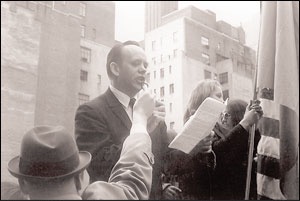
<point>194,170</point>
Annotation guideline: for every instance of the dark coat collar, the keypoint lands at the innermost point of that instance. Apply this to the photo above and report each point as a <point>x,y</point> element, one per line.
<point>117,108</point>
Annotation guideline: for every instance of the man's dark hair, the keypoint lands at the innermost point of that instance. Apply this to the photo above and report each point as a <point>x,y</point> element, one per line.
<point>115,55</point>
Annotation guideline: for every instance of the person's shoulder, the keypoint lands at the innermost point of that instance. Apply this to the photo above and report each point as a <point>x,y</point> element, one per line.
<point>96,102</point>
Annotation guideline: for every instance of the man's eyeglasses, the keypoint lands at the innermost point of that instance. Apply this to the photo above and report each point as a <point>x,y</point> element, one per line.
<point>226,115</point>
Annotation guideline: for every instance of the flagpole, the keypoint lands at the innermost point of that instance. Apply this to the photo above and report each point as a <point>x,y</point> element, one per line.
<point>250,159</point>
<point>251,145</point>
<point>253,128</point>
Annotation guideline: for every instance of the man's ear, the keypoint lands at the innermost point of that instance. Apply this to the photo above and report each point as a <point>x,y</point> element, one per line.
<point>23,186</point>
<point>82,180</point>
<point>77,182</point>
<point>115,69</point>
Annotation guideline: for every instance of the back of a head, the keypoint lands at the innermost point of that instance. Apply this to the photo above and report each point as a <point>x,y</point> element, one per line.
<point>236,108</point>
<point>115,55</point>
<point>49,159</point>
<point>203,90</point>
<point>40,185</point>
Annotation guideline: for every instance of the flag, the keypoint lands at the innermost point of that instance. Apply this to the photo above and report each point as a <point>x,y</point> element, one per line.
<point>278,90</point>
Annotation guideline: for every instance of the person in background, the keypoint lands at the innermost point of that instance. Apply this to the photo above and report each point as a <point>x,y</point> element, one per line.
<point>51,167</point>
<point>199,173</point>
<point>193,171</point>
<point>102,124</point>
<point>230,145</point>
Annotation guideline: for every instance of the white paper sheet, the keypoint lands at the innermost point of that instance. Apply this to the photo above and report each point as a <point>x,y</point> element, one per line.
<point>198,126</point>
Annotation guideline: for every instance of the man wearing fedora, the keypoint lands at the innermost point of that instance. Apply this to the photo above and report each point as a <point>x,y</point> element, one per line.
<point>51,167</point>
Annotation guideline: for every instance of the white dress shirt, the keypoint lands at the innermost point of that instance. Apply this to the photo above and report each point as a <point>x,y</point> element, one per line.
<point>123,99</point>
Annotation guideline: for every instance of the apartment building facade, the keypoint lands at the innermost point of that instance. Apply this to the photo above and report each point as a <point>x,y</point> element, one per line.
<point>189,46</point>
<point>53,56</point>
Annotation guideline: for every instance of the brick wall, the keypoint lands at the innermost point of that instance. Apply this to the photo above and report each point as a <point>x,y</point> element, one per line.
<point>20,36</point>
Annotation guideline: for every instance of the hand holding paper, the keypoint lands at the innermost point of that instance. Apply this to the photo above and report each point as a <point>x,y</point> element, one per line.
<point>198,126</point>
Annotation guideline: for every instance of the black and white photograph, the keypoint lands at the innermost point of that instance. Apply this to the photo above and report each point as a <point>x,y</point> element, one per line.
<point>149,100</point>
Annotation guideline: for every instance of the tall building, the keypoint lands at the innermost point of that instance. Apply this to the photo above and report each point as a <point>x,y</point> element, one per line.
<point>155,10</point>
<point>189,46</point>
<point>53,56</point>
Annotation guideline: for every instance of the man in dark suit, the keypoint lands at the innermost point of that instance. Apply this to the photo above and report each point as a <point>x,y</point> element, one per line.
<point>102,124</point>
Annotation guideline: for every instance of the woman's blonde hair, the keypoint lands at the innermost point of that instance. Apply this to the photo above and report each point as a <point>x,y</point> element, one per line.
<point>199,94</point>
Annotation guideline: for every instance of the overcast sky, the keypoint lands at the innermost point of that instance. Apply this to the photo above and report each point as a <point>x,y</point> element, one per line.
<point>130,15</point>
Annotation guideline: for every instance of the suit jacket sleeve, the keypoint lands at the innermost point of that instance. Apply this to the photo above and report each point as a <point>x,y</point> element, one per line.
<point>92,135</point>
<point>131,177</point>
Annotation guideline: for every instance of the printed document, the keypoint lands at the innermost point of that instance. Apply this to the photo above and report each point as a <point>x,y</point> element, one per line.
<point>198,126</point>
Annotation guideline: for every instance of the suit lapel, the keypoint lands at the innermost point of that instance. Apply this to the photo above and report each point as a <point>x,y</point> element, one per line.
<point>117,108</point>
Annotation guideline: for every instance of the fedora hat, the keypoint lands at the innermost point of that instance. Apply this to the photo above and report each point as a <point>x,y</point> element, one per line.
<point>48,152</point>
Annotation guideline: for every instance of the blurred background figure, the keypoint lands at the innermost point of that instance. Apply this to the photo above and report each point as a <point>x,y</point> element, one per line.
<point>193,171</point>
<point>230,145</point>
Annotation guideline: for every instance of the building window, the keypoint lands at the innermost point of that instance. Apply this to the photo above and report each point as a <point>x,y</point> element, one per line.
<point>248,69</point>
<point>154,60</point>
<point>82,31</point>
<point>161,58</point>
<point>94,33</point>
<point>172,125</point>
<point>162,91</point>
<point>83,75</point>
<point>161,42</point>
<point>153,45</point>
<point>215,76</point>
<point>175,53</point>
<point>99,81</point>
<point>223,78</point>
<point>83,98</point>
<point>241,67</point>
<point>148,77</point>
<point>207,74</point>
<point>204,41</point>
<point>206,58</point>
<point>225,94</point>
<point>85,54</point>
<point>241,50</point>
<point>162,73</point>
<point>175,37</point>
<point>219,46</point>
<point>82,9</point>
<point>154,90</point>
<point>170,69</point>
<point>154,74</point>
<point>171,88</point>
<point>171,108</point>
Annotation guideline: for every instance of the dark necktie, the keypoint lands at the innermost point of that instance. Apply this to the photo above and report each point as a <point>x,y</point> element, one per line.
<point>131,102</point>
